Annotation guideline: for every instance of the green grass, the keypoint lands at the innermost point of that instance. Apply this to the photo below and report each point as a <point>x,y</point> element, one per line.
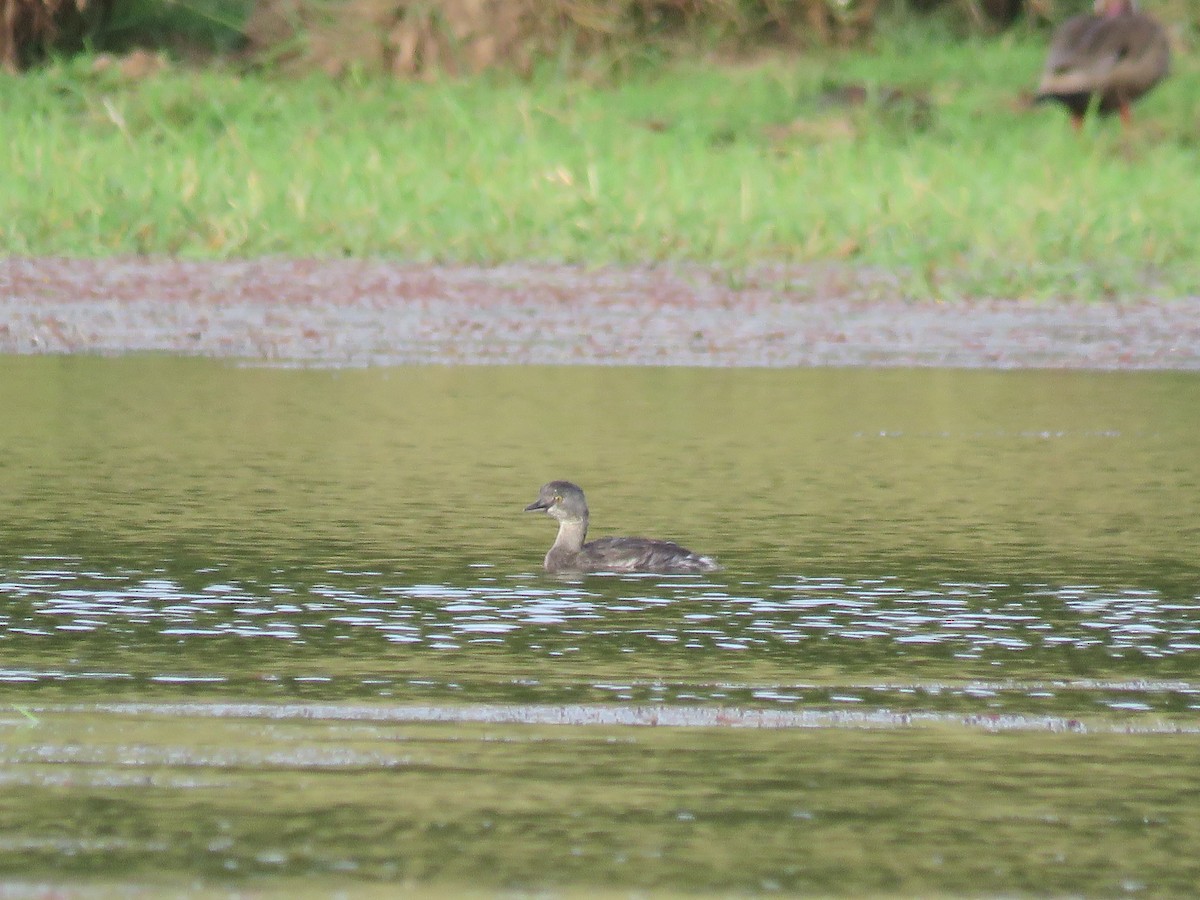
<point>729,165</point>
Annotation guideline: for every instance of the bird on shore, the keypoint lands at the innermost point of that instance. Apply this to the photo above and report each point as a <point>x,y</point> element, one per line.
<point>564,501</point>
<point>1114,54</point>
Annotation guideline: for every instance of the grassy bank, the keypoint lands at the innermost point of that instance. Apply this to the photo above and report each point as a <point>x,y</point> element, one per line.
<point>962,189</point>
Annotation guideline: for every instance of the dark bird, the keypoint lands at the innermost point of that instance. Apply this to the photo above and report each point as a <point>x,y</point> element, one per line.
<point>1115,54</point>
<point>564,501</point>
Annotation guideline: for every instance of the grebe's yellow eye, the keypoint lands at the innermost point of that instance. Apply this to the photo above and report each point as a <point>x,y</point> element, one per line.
<point>558,498</point>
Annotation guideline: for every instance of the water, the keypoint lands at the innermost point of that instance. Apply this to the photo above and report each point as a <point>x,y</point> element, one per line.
<point>287,628</point>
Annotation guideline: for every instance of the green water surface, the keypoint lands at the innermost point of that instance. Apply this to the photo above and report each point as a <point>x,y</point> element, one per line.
<point>287,629</point>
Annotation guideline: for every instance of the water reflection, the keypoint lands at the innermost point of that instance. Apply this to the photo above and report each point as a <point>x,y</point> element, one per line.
<point>155,798</point>
<point>291,624</point>
<point>964,619</point>
<point>181,519</point>
<point>685,633</point>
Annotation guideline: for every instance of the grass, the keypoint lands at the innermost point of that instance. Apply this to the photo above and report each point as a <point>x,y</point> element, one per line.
<point>733,165</point>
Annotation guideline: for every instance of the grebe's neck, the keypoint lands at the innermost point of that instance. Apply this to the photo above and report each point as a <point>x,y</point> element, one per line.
<point>571,533</point>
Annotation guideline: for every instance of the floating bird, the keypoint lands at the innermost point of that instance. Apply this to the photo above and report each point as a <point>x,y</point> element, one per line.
<point>564,501</point>
<point>1115,54</point>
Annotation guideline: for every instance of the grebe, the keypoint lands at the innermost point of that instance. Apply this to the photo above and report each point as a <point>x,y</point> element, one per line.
<point>565,502</point>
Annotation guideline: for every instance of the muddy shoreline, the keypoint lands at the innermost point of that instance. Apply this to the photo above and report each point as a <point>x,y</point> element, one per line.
<point>358,313</point>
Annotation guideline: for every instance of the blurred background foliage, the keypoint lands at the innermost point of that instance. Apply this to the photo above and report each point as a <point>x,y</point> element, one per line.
<point>426,38</point>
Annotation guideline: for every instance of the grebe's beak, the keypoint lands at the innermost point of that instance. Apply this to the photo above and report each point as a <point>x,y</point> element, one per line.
<point>537,504</point>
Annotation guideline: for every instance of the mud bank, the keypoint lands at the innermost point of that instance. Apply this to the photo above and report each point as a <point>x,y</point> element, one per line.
<point>356,313</point>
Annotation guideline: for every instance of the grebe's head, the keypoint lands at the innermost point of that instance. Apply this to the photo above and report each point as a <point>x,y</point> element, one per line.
<point>561,499</point>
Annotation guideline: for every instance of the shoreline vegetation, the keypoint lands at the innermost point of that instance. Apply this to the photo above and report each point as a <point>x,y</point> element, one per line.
<point>917,152</point>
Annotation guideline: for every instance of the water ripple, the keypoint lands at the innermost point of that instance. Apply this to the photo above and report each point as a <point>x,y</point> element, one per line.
<point>967,619</point>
